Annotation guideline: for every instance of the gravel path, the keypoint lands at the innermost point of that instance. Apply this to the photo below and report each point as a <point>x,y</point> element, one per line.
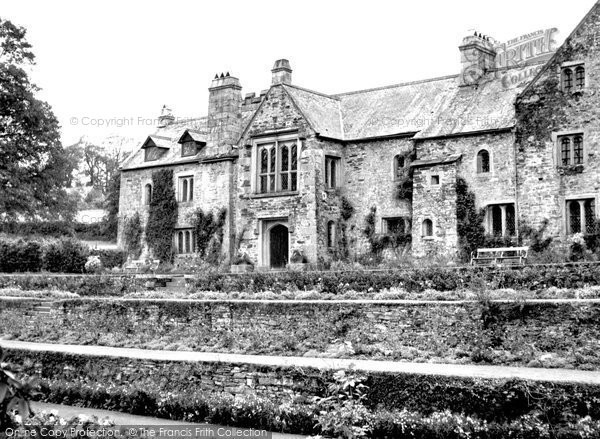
<point>458,370</point>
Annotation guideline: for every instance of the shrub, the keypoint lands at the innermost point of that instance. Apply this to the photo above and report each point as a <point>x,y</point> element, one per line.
<point>110,258</point>
<point>20,255</point>
<point>471,233</point>
<point>65,256</point>
<point>132,235</point>
<point>93,264</point>
<point>162,215</point>
<point>208,232</point>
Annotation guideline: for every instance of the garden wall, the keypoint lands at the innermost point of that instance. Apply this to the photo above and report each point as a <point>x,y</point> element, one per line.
<point>161,388</point>
<point>540,333</point>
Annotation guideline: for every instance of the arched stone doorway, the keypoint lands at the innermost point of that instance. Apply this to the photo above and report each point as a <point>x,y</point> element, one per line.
<point>278,246</point>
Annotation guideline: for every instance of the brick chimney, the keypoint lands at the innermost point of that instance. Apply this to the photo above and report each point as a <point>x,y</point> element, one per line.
<point>224,110</point>
<point>282,72</point>
<point>477,57</point>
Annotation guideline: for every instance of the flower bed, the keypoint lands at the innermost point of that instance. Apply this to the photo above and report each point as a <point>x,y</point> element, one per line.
<point>83,285</point>
<point>412,280</point>
<point>416,405</point>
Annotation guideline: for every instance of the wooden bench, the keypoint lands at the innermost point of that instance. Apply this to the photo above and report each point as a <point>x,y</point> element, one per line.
<point>140,265</point>
<point>501,255</point>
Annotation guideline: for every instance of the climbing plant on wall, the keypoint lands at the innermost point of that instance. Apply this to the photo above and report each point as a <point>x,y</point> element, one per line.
<point>208,230</point>
<point>162,216</point>
<point>471,233</point>
<point>132,235</point>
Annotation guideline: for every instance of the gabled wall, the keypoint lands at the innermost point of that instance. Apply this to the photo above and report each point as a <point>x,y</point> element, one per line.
<point>543,110</point>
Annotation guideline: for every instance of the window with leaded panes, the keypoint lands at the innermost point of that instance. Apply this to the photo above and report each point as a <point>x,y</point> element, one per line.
<point>573,78</point>
<point>501,220</point>
<point>581,216</point>
<point>186,189</point>
<point>277,167</point>
<point>185,241</point>
<point>571,149</point>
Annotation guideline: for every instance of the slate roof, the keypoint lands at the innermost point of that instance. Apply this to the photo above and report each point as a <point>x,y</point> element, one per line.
<point>168,138</point>
<point>431,108</point>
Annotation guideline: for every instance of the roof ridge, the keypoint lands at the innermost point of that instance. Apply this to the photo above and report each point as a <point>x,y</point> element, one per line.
<point>312,91</point>
<point>421,81</point>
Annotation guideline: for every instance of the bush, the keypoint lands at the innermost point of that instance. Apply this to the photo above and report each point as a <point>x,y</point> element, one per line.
<point>65,256</point>
<point>20,255</point>
<point>110,258</point>
<point>84,285</point>
<point>93,264</point>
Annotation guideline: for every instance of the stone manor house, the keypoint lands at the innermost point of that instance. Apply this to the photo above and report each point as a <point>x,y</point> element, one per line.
<point>526,138</point>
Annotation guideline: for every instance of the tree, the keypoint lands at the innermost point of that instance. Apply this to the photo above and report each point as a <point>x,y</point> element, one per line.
<point>111,222</point>
<point>34,168</point>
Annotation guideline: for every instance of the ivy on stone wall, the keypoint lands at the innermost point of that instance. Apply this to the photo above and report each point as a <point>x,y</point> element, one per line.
<point>132,236</point>
<point>471,233</point>
<point>208,230</point>
<point>404,185</point>
<point>379,242</point>
<point>162,216</point>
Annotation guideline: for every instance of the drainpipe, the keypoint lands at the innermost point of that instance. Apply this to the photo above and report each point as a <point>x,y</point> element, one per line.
<point>514,132</point>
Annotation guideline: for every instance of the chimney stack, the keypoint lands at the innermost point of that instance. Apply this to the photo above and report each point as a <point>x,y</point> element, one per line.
<point>477,57</point>
<point>282,72</point>
<point>224,110</point>
<point>166,117</point>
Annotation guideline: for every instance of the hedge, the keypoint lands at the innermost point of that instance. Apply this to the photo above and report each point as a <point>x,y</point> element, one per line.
<point>96,231</point>
<point>175,390</point>
<point>441,279</point>
<point>84,285</point>
<point>65,255</point>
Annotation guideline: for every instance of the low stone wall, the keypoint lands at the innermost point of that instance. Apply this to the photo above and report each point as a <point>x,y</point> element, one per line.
<point>541,334</point>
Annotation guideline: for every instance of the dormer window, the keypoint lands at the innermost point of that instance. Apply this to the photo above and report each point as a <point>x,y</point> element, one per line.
<point>188,149</point>
<point>191,142</point>
<point>573,77</point>
<point>154,146</point>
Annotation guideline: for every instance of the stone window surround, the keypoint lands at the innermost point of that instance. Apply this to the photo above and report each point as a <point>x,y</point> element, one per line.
<point>180,175</point>
<point>265,224</point>
<point>487,220</point>
<point>184,230</point>
<point>577,197</point>
<point>339,179</point>
<point>395,166</point>
<point>433,226</point>
<point>556,151</point>
<point>572,65</point>
<point>145,182</point>
<point>331,230</point>
<point>260,140</point>
<point>491,162</point>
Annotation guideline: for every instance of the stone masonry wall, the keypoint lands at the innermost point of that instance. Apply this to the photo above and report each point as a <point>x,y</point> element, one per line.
<point>543,110</point>
<point>299,209</point>
<point>369,181</point>
<point>436,202</point>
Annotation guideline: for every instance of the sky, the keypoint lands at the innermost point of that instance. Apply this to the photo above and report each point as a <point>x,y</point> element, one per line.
<point>107,67</point>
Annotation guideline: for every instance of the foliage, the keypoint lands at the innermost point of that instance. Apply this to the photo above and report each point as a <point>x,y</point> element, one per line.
<point>93,264</point>
<point>342,413</point>
<point>34,168</point>
<point>208,230</point>
<point>65,255</point>
<point>83,285</point>
<point>471,233</point>
<point>162,216</point>
<point>14,394</point>
<point>20,255</point>
<point>423,406</point>
<point>535,237</point>
<point>404,184</point>
<point>241,259</point>
<point>57,229</point>
<point>347,209</point>
<point>298,257</point>
<point>531,278</point>
<point>111,222</point>
<point>109,258</point>
<point>132,235</point>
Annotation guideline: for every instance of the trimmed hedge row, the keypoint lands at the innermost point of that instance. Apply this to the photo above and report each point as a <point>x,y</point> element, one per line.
<point>64,255</point>
<point>84,285</point>
<point>58,229</point>
<point>441,279</point>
